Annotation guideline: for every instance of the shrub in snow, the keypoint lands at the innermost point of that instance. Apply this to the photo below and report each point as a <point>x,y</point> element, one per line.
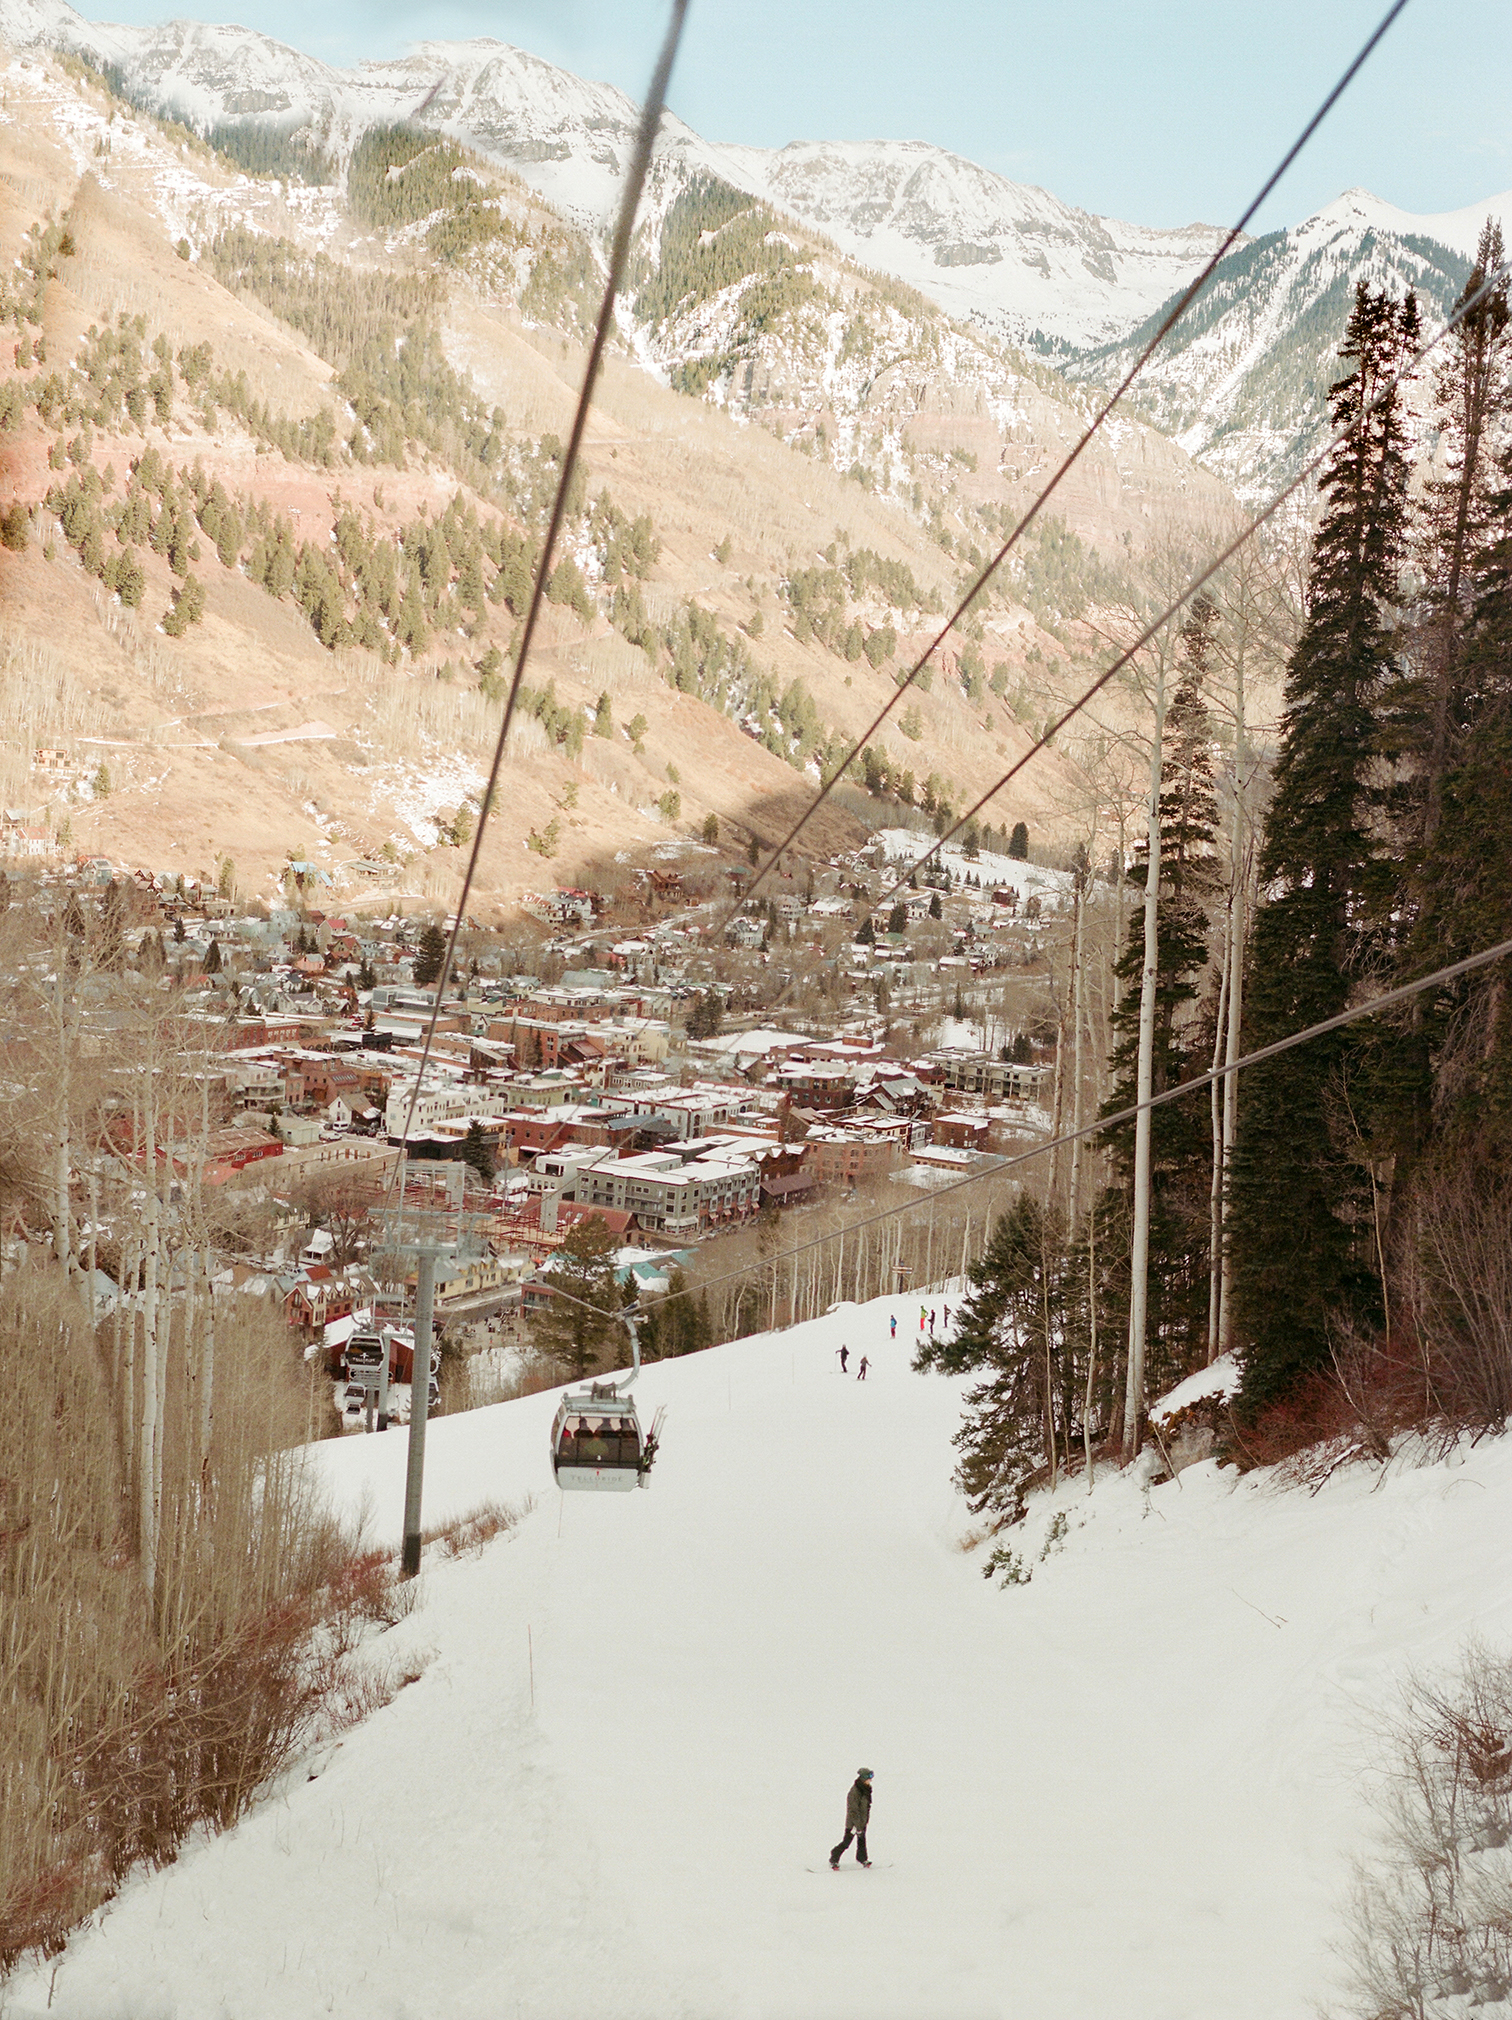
<point>1430,1923</point>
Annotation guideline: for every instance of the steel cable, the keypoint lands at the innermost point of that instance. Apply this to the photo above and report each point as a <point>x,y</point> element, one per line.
<point>1387,387</point>
<point>1182,304</point>
<point>640,163</point>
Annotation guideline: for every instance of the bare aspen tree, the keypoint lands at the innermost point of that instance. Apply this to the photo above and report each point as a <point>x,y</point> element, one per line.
<point>1091,1343</point>
<point>1080,889</point>
<point>1215,1105</point>
<point>1139,1255</point>
<point>1262,619</point>
<point>94,1236</point>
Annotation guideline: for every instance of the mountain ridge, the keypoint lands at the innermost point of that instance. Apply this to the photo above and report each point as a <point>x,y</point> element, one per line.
<point>908,208</point>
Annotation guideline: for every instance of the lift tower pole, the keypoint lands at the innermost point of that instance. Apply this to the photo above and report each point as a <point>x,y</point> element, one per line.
<point>420,1379</point>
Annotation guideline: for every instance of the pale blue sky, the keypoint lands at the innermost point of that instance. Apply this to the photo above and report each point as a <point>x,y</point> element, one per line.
<point>1160,111</point>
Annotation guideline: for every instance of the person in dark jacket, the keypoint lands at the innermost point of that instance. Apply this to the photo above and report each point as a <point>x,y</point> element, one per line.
<point>857,1816</point>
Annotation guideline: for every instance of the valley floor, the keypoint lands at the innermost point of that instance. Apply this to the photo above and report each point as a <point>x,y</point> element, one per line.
<point>1130,1787</point>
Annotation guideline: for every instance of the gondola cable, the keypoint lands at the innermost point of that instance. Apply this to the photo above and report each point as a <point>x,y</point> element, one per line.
<point>1171,319</point>
<point>640,162</point>
<point>1383,392</point>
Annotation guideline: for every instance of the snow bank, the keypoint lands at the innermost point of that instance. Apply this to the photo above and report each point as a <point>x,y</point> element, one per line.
<point>1221,1380</point>
<point>1125,1788</point>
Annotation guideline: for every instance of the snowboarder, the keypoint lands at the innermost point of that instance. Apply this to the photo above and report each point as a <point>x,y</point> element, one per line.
<point>893,1322</point>
<point>923,1315</point>
<point>857,1816</point>
<point>844,1356</point>
<point>861,1370</point>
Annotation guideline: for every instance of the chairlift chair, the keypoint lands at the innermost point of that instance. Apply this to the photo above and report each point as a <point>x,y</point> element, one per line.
<point>597,1440</point>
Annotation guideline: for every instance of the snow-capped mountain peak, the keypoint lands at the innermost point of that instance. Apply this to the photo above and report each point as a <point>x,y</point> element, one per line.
<point>1358,209</point>
<point>1242,382</point>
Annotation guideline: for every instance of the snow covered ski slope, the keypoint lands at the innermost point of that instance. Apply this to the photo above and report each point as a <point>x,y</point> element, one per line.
<point>1127,1790</point>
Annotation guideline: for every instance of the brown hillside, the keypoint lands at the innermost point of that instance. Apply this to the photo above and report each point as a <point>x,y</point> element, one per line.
<point>354,757</point>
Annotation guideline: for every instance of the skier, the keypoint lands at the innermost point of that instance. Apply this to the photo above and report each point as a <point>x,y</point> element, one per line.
<point>844,1356</point>
<point>893,1322</point>
<point>923,1315</point>
<point>861,1371</point>
<point>857,1816</point>
<point>946,1310</point>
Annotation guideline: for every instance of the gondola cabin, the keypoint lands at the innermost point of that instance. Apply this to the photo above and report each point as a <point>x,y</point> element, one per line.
<point>597,1442</point>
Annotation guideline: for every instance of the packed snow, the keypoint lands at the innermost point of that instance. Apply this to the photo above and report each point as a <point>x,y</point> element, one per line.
<point>1129,1786</point>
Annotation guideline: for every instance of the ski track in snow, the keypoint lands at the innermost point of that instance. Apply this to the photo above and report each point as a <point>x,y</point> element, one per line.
<point>1129,1788</point>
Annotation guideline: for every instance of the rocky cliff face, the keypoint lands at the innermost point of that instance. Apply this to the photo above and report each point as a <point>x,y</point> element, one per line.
<point>1009,256</point>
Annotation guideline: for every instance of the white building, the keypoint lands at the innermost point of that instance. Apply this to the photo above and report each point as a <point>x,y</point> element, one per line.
<point>441,1104</point>
<point>669,1194</point>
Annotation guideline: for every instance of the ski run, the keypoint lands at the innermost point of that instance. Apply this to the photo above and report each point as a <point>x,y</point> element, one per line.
<point>1131,1787</point>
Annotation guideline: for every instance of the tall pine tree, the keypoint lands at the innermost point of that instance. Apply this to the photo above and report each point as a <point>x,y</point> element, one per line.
<point>1472,387</point>
<point>1300,1225</point>
<point>1024,1414</point>
<point>1443,715</point>
<point>1463,881</point>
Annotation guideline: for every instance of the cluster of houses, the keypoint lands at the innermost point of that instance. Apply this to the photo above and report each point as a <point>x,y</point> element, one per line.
<point>542,1103</point>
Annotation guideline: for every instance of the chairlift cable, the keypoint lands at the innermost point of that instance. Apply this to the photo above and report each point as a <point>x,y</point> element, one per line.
<point>1172,318</point>
<point>640,162</point>
<point>1387,387</point>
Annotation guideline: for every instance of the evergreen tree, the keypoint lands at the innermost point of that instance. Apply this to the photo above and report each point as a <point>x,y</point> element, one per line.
<point>678,1323</point>
<point>1472,391</point>
<point>576,1330</point>
<point>936,909</point>
<point>213,958</point>
<point>1299,1218</point>
<point>1012,1331</point>
<point>478,1151</point>
<point>1463,884</point>
<point>1446,727</point>
<point>1018,842</point>
<point>706,1015</point>
<point>429,957</point>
